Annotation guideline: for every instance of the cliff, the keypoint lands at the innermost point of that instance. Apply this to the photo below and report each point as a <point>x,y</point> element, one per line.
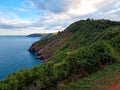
<point>78,34</point>
<point>47,47</point>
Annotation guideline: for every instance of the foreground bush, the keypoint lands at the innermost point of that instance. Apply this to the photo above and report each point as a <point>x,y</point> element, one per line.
<point>63,66</point>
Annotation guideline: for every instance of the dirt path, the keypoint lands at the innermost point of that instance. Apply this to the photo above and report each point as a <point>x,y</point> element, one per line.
<point>114,87</point>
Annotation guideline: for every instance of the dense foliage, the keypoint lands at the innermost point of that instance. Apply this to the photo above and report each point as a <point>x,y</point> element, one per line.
<point>97,44</point>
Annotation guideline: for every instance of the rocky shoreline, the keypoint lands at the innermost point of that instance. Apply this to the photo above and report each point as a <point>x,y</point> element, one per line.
<point>38,51</point>
<point>46,48</point>
<point>42,52</point>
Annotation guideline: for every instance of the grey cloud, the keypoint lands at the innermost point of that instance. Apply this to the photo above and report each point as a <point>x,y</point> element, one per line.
<point>5,26</point>
<point>13,26</point>
<point>55,6</point>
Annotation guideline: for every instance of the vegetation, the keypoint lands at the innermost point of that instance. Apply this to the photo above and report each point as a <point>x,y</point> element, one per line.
<point>37,35</point>
<point>97,81</point>
<point>45,35</point>
<point>92,45</point>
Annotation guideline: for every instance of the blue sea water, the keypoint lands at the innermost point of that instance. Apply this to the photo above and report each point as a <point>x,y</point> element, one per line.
<point>14,55</point>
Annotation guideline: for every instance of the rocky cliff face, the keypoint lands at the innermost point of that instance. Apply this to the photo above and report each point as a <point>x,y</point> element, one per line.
<point>45,48</point>
<point>34,48</point>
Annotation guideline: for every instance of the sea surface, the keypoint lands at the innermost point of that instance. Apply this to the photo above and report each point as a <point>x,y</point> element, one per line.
<point>14,55</point>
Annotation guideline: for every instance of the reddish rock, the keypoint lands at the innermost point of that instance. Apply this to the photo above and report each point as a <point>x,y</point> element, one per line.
<point>34,48</point>
<point>46,49</point>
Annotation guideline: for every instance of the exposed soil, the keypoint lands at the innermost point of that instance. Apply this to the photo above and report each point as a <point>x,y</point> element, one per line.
<point>114,87</point>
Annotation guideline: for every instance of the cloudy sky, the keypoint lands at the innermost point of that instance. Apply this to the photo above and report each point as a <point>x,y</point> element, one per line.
<point>21,17</point>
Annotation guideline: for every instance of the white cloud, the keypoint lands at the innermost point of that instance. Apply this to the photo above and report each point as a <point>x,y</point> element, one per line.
<point>22,9</point>
<point>55,15</point>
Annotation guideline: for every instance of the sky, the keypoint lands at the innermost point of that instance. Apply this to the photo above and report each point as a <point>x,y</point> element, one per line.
<point>23,17</point>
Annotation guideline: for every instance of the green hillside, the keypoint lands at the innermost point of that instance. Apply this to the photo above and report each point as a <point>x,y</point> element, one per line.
<point>78,34</point>
<point>76,53</point>
<point>35,35</point>
<point>46,35</point>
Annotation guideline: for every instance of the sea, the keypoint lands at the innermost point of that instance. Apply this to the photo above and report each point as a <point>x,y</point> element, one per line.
<point>14,54</point>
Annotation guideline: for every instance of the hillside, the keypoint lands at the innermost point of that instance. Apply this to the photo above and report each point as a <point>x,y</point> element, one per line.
<point>41,35</point>
<point>81,50</point>
<point>35,35</point>
<point>78,34</point>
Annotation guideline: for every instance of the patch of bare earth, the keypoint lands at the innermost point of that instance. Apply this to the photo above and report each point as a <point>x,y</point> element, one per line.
<point>114,85</point>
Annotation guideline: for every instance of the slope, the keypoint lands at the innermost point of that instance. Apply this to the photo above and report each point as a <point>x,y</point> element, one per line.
<point>78,34</point>
<point>81,50</point>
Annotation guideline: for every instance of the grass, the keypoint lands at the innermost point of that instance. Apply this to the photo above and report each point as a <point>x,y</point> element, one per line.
<point>96,81</point>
